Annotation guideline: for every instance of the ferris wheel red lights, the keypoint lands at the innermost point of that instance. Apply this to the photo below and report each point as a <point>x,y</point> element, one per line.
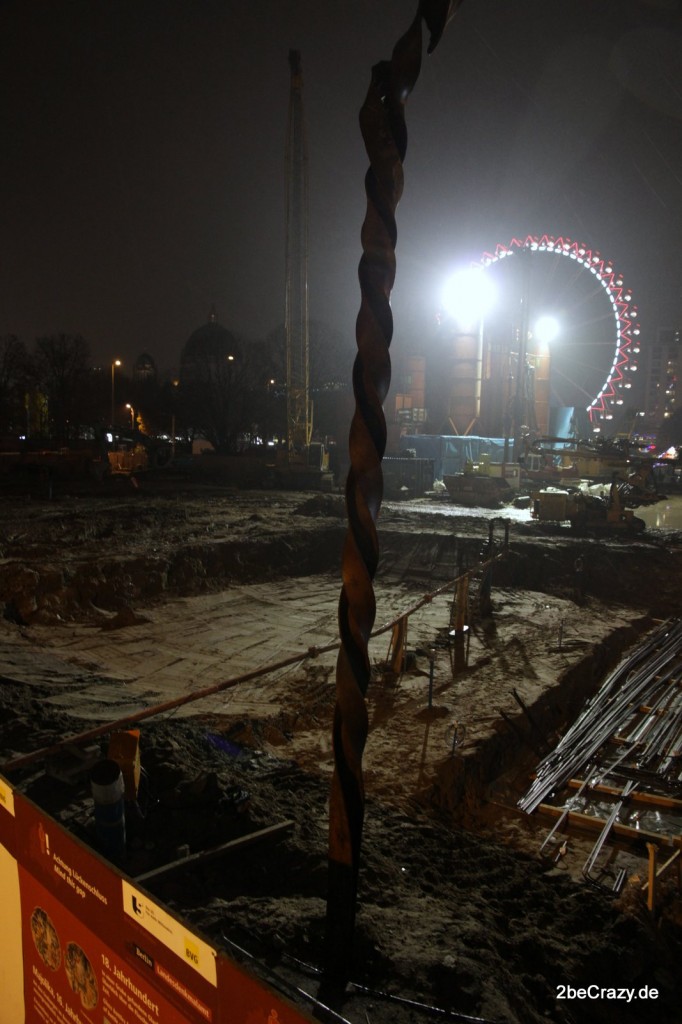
<point>617,382</point>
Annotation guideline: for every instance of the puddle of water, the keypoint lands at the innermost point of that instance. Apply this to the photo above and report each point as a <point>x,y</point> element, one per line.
<point>664,515</point>
<point>447,508</point>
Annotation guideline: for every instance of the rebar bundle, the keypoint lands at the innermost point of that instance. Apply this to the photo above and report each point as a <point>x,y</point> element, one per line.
<point>382,122</point>
<point>640,706</point>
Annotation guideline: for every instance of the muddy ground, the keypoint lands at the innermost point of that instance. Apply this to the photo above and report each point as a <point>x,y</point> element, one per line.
<point>458,916</point>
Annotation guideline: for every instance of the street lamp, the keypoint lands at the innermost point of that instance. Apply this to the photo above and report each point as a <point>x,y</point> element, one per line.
<point>230,361</point>
<point>132,415</point>
<point>533,341</point>
<point>546,329</point>
<point>176,384</point>
<point>116,362</point>
<point>467,296</point>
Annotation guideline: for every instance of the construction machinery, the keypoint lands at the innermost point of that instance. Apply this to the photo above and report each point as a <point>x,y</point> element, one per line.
<point>559,460</point>
<point>301,463</point>
<point>587,512</point>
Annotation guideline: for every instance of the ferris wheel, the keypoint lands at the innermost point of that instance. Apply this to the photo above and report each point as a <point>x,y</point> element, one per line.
<point>613,392</point>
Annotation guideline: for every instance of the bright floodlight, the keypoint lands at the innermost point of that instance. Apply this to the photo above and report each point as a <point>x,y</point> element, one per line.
<point>468,295</point>
<point>546,329</point>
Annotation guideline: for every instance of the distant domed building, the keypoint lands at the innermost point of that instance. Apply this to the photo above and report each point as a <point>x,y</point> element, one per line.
<point>210,332</point>
<point>210,346</point>
<point>210,369</point>
<point>144,368</point>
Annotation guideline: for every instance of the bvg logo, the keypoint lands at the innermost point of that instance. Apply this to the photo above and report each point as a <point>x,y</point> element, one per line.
<point>192,952</point>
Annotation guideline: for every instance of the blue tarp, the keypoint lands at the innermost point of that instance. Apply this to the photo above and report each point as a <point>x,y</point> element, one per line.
<point>450,453</point>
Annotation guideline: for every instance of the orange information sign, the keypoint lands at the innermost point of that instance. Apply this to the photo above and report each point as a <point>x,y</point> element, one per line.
<point>85,945</point>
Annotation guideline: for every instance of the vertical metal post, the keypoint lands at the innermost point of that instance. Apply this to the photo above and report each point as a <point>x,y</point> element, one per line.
<point>382,122</point>
<point>521,408</point>
<point>651,893</point>
<point>114,364</point>
<point>296,305</point>
<point>485,591</point>
<point>396,659</point>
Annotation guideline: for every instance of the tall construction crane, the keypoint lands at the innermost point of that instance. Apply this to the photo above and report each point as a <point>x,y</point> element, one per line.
<point>303,463</point>
<point>299,412</point>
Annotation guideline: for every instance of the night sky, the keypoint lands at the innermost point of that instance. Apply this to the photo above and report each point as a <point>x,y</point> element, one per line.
<point>143,172</point>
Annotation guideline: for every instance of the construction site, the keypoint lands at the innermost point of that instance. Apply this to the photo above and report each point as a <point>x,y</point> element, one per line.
<point>276,752</point>
<point>205,621</point>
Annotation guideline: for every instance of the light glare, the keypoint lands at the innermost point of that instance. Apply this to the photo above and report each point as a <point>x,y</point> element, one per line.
<point>468,295</point>
<point>546,329</point>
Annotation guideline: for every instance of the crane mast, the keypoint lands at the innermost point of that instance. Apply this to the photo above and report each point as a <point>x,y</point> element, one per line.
<point>299,413</point>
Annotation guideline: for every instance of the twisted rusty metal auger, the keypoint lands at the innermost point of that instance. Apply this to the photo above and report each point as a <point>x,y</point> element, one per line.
<point>382,122</point>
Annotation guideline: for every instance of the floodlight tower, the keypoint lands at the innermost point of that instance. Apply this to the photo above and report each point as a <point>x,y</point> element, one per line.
<point>299,418</point>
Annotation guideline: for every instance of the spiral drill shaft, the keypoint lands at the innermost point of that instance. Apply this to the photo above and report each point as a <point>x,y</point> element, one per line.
<point>382,123</point>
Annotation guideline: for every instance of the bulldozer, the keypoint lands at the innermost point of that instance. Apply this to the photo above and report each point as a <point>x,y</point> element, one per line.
<point>587,512</point>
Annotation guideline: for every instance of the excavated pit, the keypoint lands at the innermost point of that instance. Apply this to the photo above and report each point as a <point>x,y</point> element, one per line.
<point>119,602</point>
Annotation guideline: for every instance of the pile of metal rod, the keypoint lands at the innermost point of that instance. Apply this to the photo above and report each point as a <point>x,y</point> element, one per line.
<point>631,729</point>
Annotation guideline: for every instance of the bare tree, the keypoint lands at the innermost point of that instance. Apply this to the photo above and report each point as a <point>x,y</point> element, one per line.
<point>13,379</point>
<point>61,370</point>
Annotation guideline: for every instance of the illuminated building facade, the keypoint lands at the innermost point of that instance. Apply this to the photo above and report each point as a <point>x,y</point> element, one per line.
<point>665,364</point>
